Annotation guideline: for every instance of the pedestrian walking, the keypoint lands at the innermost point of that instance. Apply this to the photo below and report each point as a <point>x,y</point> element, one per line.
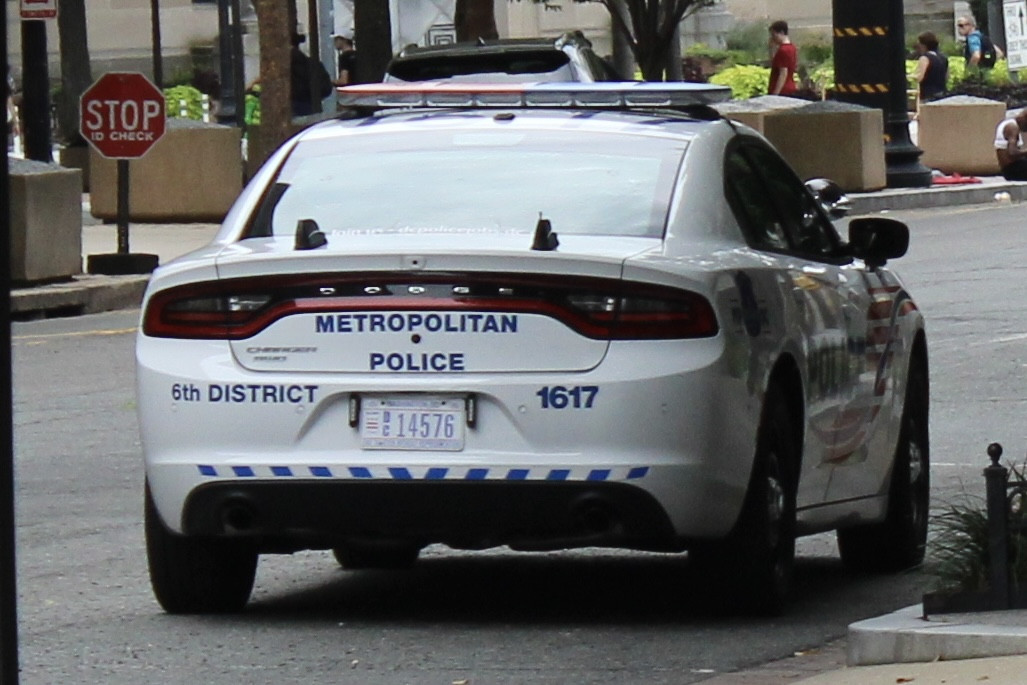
<point>347,59</point>
<point>784,60</point>
<point>931,68</point>
<point>978,50</point>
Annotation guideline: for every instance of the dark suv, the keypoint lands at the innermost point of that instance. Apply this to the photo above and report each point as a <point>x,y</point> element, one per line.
<point>567,58</point>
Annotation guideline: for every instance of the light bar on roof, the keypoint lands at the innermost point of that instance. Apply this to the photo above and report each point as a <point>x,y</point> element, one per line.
<point>606,95</point>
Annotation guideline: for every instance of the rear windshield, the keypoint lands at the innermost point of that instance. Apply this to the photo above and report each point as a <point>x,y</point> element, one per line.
<point>480,181</point>
<point>519,62</point>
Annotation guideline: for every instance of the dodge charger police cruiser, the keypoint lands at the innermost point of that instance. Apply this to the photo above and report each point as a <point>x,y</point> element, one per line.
<point>543,316</point>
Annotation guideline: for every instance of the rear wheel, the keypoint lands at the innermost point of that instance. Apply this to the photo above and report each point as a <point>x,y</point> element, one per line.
<point>756,559</point>
<point>192,575</point>
<point>393,555</point>
<point>899,542</point>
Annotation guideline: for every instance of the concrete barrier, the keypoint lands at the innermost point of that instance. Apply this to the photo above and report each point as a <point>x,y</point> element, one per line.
<point>839,141</point>
<point>193,173</point>
<point>754,111</point>
<point>46,222</point>
<point>957,134</point>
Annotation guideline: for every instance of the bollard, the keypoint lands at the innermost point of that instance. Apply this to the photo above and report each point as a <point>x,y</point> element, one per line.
<point>996,478</point>
<point>205,104</point>
<point>183,111</point>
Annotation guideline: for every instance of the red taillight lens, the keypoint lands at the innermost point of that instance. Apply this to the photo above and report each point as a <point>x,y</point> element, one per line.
<point>596,308</point>
<point>202,312</point>
<point>673,315</point>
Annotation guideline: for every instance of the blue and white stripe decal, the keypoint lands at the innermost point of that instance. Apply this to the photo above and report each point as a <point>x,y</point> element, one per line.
<point>426,473</point>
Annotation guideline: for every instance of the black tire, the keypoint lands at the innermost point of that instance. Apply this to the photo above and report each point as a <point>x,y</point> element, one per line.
<point>191,575</point>
<point>353,556</point>
<point>899,542</point>
<point>757,558</point>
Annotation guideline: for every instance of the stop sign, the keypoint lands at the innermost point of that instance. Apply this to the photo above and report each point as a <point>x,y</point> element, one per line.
<point>122,115</point>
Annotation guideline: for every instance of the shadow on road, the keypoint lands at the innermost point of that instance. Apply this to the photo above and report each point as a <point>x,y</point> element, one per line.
<point>591,587</point>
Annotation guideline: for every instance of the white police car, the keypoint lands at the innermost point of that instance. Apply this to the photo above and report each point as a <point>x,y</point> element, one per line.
<point>547,317</point>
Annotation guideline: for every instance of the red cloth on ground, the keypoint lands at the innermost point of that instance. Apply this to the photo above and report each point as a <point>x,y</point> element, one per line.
<point>954,179</point>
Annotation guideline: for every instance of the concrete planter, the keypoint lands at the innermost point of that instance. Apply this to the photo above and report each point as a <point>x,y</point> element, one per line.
<point>842,142</point>
<point>193,173</point>
<point>957,134</point>
<point>754,111</point>
<point>46,222</point>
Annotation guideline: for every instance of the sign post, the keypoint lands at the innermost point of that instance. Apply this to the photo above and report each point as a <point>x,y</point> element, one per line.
<point>122,117</point>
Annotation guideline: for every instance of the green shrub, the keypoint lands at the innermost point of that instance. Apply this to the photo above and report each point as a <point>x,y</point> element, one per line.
<point>815,52</point>
<point>720,58</point>
<point>959,549</point>
<point>822,77</point>
<point>192,99</point>
<point>749,42</point>
<point>745,80</point>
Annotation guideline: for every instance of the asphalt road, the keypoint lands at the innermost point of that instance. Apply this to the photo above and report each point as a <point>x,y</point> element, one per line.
<point>87,614</point>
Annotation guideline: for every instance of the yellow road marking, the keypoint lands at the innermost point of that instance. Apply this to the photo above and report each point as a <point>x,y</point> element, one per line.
<point>74,334</point>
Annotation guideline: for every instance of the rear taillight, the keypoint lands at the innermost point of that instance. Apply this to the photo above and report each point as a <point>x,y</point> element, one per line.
<point>670,315</point>
<point>205,311</point>
<point>601,309</point>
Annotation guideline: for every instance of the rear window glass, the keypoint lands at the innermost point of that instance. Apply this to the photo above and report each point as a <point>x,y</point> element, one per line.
<point>480,181</point>
<point>518,62</point>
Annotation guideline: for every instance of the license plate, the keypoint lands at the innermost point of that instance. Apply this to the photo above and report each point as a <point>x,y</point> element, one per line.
<point>412,423</point>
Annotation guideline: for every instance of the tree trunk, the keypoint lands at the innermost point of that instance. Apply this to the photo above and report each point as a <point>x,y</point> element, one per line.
<point>650,26</point>
<point>76,75</point>
<point>275,30</point>
<point>373,24</point>
<point>623,57</point>
<point>475,19</point>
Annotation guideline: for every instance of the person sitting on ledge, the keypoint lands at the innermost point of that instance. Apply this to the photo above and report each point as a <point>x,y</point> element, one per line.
<point>1010,148</point>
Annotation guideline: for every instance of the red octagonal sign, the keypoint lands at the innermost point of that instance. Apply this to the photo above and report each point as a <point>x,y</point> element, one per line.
<point>122,115</point>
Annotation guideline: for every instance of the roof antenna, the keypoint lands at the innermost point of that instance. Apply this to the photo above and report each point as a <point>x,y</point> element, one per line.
<point>545,239</point>
<point>481,41</point>
<point>309,235</point>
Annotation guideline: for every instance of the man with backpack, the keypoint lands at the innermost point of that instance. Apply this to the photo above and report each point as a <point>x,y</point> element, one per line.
<point>978,51</point>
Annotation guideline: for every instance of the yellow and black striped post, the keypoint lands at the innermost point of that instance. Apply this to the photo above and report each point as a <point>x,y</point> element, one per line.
<point>870,70</point>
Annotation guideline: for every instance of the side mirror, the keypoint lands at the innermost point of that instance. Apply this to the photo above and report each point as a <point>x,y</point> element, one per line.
<point>875,240</point>
<point>830,196</point>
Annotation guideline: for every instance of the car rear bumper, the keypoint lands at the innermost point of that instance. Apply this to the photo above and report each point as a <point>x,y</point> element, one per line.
<point>669,425</point>
<point>475,515</point>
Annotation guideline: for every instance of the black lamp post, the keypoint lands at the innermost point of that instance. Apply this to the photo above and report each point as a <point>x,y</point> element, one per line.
<point>870,70</point>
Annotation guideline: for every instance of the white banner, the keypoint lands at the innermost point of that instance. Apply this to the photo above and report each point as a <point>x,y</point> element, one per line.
<point>1015,15</point>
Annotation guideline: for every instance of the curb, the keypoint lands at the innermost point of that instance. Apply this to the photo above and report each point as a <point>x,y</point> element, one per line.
<point>905,636</point>
<point>941,196</point>
<point>83,294</point>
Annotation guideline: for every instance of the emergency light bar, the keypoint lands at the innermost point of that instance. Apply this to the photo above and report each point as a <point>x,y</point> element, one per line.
<point>605,95</point>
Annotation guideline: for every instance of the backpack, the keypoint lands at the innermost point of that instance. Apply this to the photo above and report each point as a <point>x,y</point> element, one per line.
<point>988,55</point>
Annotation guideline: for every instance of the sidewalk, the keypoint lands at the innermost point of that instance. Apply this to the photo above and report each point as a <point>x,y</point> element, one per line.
<point>88,294</point>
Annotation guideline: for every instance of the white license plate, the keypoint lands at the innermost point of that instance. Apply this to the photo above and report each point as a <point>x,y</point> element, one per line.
<point>412,423</point>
